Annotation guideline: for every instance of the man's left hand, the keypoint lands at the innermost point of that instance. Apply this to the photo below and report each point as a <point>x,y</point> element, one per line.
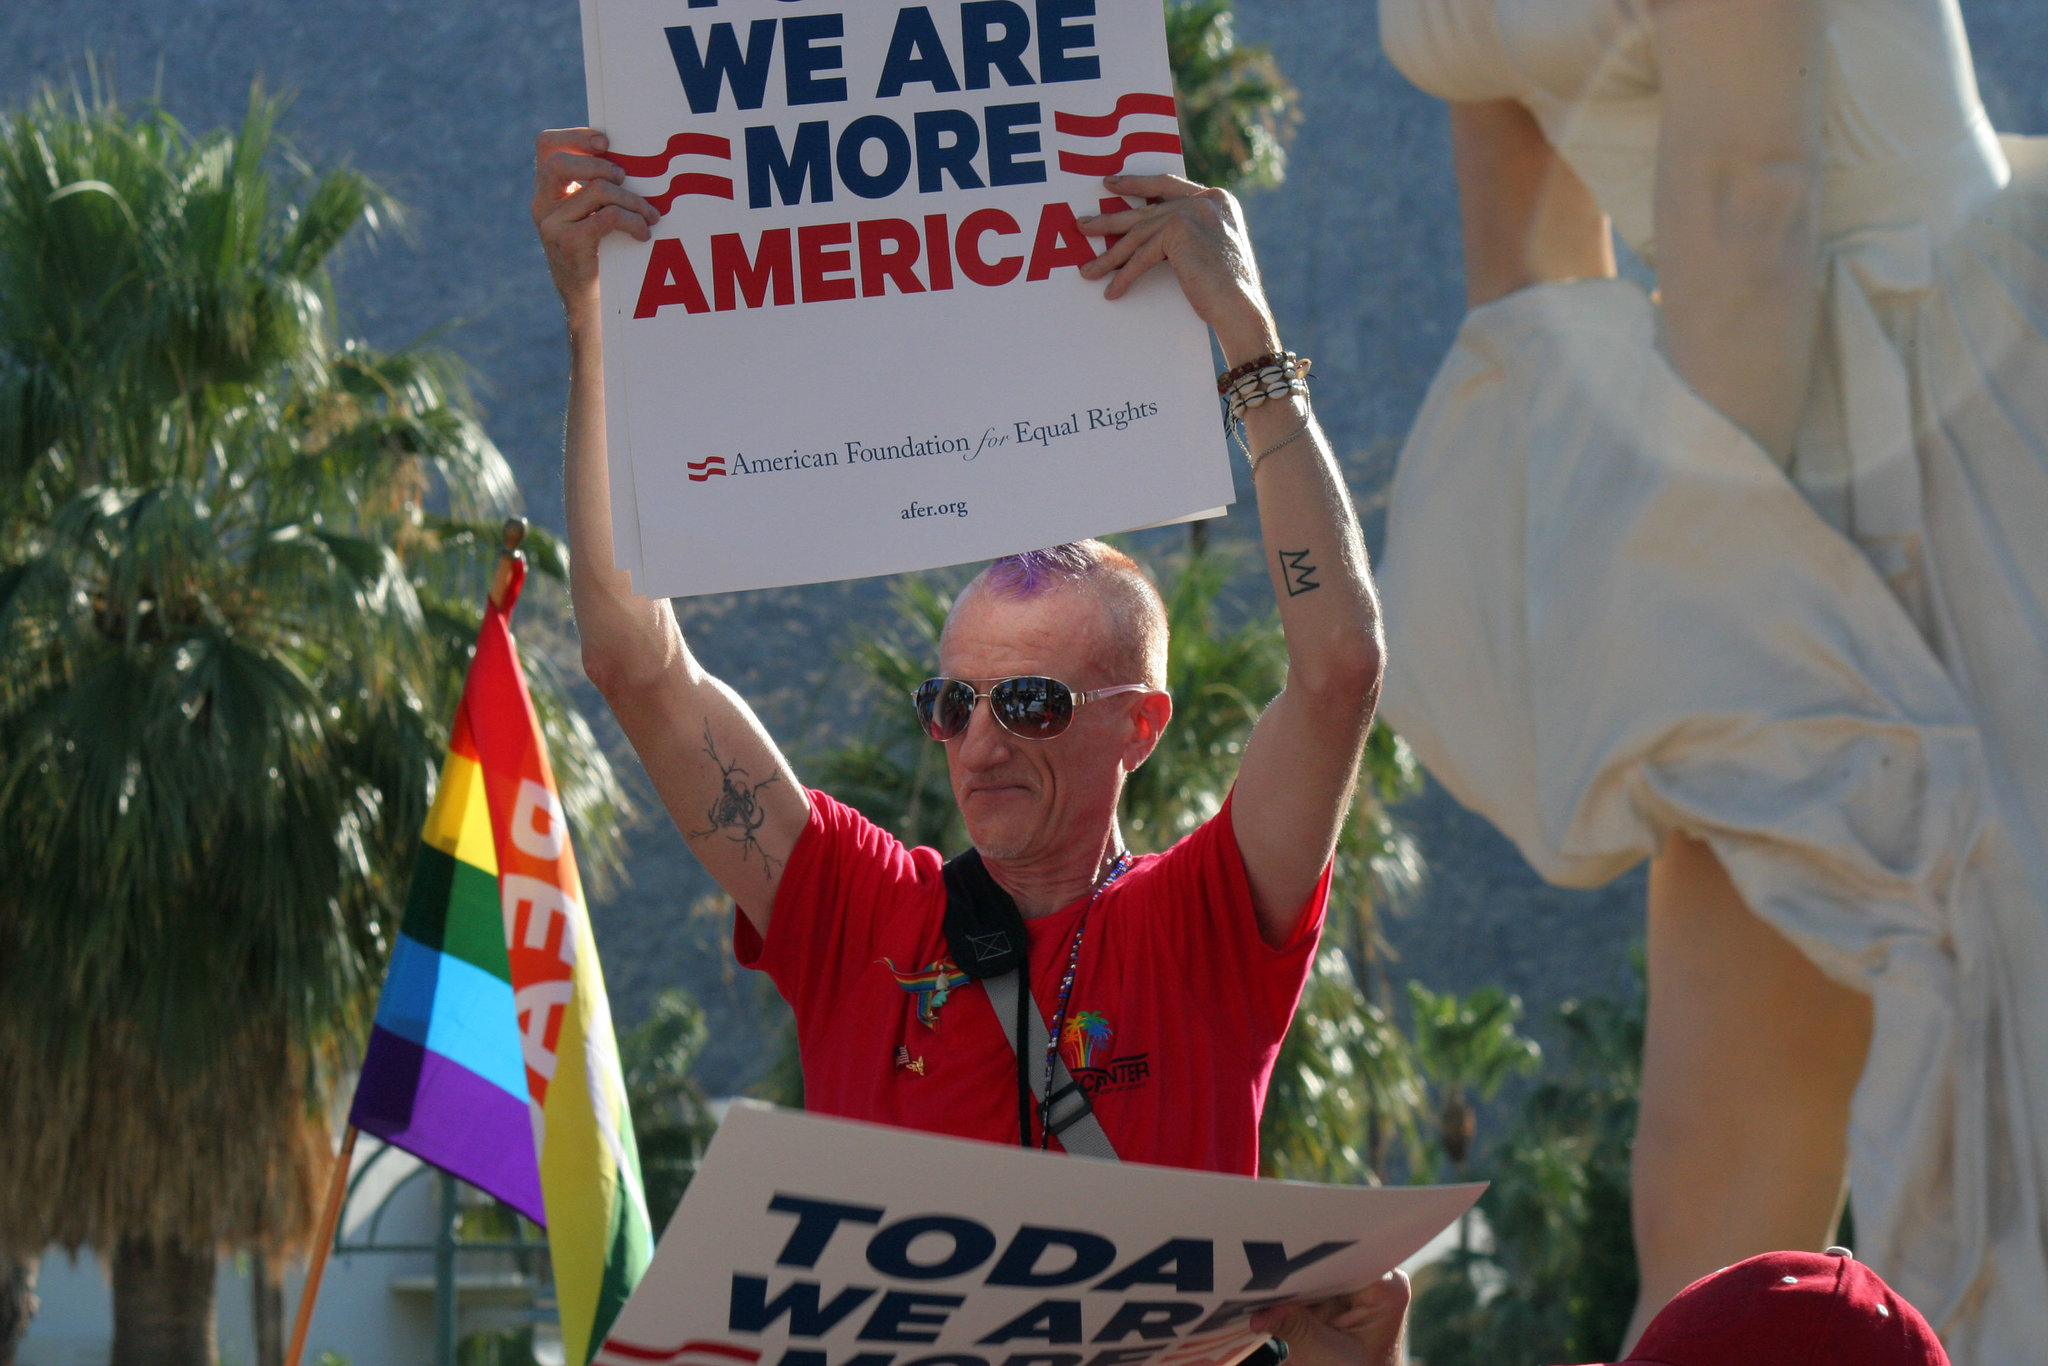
<point>1198,231</point>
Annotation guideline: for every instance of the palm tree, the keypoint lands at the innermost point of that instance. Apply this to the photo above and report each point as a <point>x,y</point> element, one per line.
<point>1237,112</point>
<point>1344,1087</point>
<point>891,771</point>
<point>1468,1046</point>
<point>1221,675</point>
<point>238,557</point>
<point>672,1120</point>
<point>1380,865</point>
<point>1379,868</point>
<point>1559,1282</point>
<point>1559,1204</point>
<point>17,1300</point>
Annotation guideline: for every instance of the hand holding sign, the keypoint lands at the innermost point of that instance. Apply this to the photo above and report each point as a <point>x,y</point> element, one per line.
<point>871,343</point>
<point>578,198</point>
<point>815,1242</point>
<point>1198,231</point>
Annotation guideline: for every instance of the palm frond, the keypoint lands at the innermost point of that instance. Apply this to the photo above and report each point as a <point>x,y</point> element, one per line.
<point>231,640</point>
<point>892,772</point>
<point>1345,1088</point>
<point>1237,112</point>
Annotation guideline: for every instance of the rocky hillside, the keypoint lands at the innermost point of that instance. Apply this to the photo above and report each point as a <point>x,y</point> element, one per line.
<point>440,103</point>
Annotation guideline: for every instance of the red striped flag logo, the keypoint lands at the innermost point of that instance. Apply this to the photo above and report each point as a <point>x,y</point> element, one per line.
<point>688,182</point>
<point>1101,160</point>
<point>694,1353</point>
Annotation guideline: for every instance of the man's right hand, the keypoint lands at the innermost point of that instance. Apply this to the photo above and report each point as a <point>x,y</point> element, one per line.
<point>578,197</point>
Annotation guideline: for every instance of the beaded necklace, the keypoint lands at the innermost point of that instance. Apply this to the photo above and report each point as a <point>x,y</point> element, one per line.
<point>1059,1023</point>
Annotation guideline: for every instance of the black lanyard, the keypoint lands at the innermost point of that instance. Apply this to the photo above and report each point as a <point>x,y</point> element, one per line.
<point>1059,1020</point>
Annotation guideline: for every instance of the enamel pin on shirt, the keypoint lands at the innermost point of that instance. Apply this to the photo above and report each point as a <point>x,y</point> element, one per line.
<point>933,987</point>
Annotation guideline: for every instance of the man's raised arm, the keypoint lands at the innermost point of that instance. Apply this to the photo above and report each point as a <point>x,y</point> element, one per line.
<point>1302,761</point>
<point>725,784</point>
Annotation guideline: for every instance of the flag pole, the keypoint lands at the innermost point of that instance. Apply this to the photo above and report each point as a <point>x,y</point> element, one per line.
<point>504,581</point>
<point>504,586</point>
<point>337,1193</point>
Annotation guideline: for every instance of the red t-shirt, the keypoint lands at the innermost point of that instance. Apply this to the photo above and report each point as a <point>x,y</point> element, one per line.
<point>1178,1006</point>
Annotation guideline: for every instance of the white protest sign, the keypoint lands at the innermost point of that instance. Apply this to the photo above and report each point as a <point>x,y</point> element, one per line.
<point>860,342</point>
<point>807,1241</point>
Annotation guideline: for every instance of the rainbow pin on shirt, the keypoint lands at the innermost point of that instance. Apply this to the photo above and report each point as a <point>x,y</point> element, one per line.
<point>932,987</point>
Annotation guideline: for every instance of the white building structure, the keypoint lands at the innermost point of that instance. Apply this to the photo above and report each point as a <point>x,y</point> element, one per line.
<point>376,1306</point>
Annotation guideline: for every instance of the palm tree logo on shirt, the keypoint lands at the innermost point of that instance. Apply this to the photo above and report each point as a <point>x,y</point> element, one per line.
<point>932,987</point>
<point>1085,1040</point>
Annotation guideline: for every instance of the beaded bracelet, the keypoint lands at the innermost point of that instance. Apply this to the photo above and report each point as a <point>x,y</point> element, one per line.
<point>1230,377</point>
<point>1286,360</point>
<point>1274,377</point>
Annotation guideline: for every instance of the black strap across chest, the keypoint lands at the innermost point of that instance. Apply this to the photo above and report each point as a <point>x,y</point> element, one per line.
<point>986,937</point>
<point>984,929</point>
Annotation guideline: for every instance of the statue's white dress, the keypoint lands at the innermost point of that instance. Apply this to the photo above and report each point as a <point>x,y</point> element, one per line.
<point>1611,614</point>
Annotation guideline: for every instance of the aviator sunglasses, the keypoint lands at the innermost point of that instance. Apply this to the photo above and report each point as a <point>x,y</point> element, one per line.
<point>1029,707</point>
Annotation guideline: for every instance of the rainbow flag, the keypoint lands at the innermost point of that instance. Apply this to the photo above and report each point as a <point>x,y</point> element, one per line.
<point>492,1055</point>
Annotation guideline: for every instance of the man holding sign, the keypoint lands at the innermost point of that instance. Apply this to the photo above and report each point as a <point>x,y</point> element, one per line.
<point>1164,982</point>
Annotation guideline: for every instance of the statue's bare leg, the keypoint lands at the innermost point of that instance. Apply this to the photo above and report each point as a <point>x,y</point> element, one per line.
<point>1749,1062</point>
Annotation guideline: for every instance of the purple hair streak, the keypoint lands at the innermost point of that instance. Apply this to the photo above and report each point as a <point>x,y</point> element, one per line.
<point>1033,572</point>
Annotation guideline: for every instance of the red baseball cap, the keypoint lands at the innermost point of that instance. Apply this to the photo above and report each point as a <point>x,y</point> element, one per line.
<point>1789,1309</point>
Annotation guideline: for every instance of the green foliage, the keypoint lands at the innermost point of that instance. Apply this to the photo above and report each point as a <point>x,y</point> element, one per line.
<point>1560,1281</point>
<point>1379,866</point>
<point>1221,676</point>
<point>891,772</point>
<point>1345,1085</point>
<point>482,1217</point>
<point>1377,849</point>
<point>672,1117</point>
<point>783,1083</point>
<point>241,562</point>
<point>1346,1089</point>
<point>1237,112</point>
<point>496,1347</point>
<point>1467,1045</point>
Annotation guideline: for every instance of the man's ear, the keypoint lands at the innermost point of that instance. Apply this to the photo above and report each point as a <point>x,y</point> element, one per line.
<point>1148,722</point>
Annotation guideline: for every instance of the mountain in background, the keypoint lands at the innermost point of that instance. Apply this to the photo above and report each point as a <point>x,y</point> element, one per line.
<point>1360,253</point>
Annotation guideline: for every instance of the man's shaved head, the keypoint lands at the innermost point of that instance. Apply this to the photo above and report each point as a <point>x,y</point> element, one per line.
<point>1133,615</point>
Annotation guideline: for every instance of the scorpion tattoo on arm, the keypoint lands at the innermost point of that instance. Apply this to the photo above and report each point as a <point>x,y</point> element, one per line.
<point>737,811</point>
